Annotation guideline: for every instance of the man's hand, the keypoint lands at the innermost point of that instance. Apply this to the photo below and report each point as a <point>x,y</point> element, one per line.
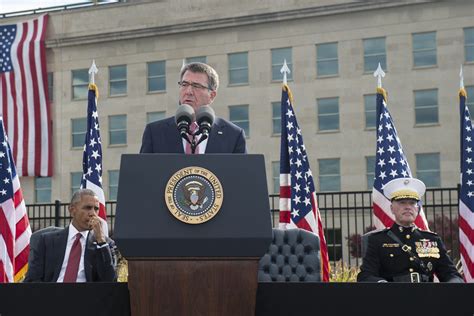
<point>96,225</point>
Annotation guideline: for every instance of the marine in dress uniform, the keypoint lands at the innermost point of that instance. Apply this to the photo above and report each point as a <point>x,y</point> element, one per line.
<point>404,253</point>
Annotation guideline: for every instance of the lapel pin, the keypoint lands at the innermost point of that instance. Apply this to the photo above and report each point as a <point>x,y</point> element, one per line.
<point>219,132</point>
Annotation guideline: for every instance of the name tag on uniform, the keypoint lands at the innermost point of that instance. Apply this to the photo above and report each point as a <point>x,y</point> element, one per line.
<point>394,245</point>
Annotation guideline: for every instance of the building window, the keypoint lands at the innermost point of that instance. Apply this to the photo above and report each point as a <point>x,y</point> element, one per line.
<point>424,49</point>
<point>370,171</point>
<point>327,60</point>
<point>79,127</point>
<point>276,176</point>
<point>197,59</point>
<point>80,84</point>
<point>118,80</point>
<point>426,106</point>
<point>334,243</point>
<point>43,190</point>
<point>329,175</point>
<point>328,114</point>
<point>239,115</point>
<point>50,86</point>
<point>428,169</point>
<point>76,178</point>
<point>276,118</point>
<point>113,184</point>
<point>156,76</point>
<point>469,44</point>
<point>117,129</point>
<point>279,55</point>
<point>370,110</point>
<point>374,53</point>
<point>155,116</point>
<point>470,100</point>
<point>238,68</point>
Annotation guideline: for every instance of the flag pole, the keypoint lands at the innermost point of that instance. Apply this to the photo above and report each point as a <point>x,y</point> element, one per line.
<point>285,70</point>
<point>379,74</point>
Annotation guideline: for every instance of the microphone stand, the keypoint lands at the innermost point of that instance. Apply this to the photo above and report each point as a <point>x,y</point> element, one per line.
<point>204,135</point>
<point>193,142</point>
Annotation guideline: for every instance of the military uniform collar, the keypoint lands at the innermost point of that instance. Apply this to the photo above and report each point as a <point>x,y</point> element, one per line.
<point>404,229</point>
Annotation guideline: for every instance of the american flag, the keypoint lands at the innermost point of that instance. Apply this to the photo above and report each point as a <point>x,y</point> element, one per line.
<point>15,231</point>
<point>24,95</point>
<point>298,204</point>
<point>390,163</point>
<point>466,197</point>
<point>92,156</point>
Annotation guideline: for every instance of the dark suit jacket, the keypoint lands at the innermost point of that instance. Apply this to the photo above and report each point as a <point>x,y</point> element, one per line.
<point>99,264</point>
<point>163,137</point>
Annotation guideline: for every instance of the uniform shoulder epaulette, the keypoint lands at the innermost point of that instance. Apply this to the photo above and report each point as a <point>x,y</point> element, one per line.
<point>378,231</point>
<point>428,232</point>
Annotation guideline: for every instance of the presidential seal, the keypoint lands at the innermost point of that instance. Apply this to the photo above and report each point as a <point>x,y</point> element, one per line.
<point>194,195</point>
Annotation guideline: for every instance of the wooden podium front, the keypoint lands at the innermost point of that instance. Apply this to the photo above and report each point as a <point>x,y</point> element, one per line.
<point>195,286</point>
<point>176,268</point>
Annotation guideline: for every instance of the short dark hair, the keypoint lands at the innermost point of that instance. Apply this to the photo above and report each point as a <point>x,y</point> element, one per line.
<point>77,196</point>
<point>212,76</point>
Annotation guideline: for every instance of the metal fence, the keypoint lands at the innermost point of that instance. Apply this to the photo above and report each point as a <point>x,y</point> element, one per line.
<point>345,216</point>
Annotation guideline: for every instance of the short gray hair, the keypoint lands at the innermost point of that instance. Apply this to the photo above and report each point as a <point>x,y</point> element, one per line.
<point>212,76</point>
<point>77,196</point>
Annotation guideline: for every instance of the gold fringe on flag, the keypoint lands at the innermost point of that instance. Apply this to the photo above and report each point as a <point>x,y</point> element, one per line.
<point>290,95</point>
<point>462,93</point>
<point>93,86</point>
<point>384,93</point>
<point>20,275</point>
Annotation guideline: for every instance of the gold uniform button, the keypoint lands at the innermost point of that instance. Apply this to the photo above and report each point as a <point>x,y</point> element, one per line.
<point>407,236</point>
<point>411,270</point>
<point>391,255</point>
<point>411,259</point>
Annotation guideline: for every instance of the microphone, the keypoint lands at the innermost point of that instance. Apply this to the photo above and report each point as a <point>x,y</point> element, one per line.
<point>183,118</point>
<point>204,118</point>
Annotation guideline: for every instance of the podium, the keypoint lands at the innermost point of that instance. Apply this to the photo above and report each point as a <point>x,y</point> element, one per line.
<point>192,228</point>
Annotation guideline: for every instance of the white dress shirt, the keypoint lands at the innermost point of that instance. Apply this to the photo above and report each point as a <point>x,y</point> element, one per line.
<point>81,274</point>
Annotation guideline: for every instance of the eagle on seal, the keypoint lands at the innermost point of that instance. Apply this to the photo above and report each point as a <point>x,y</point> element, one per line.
<point>194,194</point>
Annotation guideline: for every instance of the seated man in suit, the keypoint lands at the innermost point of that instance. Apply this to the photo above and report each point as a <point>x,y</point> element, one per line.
<point>197,87</point>
<point>78,253</point>
<point>404,253</point>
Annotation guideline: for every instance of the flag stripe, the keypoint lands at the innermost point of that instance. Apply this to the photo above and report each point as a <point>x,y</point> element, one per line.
<point>465,263</point>
<point>6,265</point>
<point>42,118</point>
<point>465,255</point>
<point>7,228</point>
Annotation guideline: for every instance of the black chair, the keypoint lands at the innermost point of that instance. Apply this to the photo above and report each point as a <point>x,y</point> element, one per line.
<point>293,256</point>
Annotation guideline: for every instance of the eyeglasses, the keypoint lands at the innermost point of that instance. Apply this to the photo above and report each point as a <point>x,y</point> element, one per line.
<point>194,85</point>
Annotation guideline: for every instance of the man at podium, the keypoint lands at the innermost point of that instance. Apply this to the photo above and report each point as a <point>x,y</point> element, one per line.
<point>194,129</point>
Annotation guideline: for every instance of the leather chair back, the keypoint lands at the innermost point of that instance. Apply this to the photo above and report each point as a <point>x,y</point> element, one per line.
<point>293,256</point>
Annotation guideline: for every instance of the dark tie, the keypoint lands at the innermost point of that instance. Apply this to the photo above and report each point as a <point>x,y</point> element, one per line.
<point>192,129</point>
<point>73,262</point>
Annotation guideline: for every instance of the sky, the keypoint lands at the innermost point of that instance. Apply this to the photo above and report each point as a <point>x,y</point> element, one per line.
<point>7,6</point>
